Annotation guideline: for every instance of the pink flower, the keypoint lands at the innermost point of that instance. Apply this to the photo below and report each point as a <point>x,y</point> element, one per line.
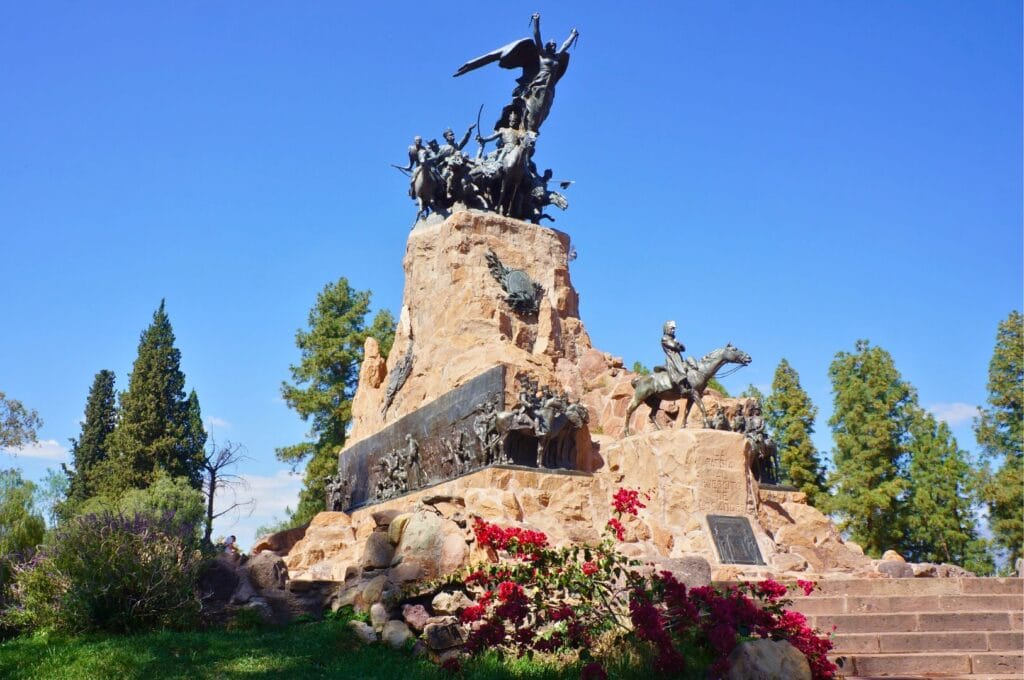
<point>589,568</point>
<point>627,501</point>
<point>807,586</point>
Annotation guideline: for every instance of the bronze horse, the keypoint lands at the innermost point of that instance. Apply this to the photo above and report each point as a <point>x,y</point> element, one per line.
<point>653,389</point>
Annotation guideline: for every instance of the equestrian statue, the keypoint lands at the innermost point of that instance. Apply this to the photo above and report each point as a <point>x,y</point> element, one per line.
<point>681,377</point>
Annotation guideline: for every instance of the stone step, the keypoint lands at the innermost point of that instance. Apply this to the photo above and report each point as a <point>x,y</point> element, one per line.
<point>919,622</point>
<point>864,604</point>
<point>875,587</point>
<point>961,641</point>
<point>971,664</point>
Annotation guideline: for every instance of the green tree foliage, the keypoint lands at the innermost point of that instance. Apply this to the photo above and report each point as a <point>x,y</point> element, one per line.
<point>51,493</point>
<point>325,380</point>
<point>18,424</point>
<point>790,416</point>
<point>999,429</point>
<point>155,429</point>
<point>640,369</point>
<point>751,392</point>
<point>939,514</point>
<point>21,526</point>
<point>869,429</point>
<point>90,449</point>
<point>718,387</point>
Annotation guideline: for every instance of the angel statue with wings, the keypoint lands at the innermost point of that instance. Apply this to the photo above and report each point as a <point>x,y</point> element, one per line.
<point>543,66</point>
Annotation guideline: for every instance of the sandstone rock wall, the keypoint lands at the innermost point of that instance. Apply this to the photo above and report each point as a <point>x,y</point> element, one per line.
<point>458,325</point>
<point>687,474</point>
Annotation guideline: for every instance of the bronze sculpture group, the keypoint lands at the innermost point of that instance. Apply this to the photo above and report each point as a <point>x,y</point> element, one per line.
<point>506,180</point>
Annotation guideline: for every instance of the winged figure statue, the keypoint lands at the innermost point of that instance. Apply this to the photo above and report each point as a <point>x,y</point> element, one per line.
<point>543,65</point>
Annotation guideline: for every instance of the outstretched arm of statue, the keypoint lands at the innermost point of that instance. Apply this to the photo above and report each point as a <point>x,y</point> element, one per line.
<point>490,138</point>
<point>465,138</point>
<point>535,20</point>
<point>573,36</point>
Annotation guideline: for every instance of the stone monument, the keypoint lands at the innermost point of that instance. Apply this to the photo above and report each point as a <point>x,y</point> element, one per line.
<point>493,403</point>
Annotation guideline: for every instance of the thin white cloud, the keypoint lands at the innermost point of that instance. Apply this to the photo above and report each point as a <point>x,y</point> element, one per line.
<point>215,423</point>
<point>956,413</point>
<point>272,495</point>
<point>44,449</point>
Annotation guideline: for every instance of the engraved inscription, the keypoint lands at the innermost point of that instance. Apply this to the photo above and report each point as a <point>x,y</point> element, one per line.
<point>734,540</point>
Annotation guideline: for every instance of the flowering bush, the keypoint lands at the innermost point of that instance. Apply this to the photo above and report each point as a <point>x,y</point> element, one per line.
<point>110,572</point>
<point>541,599</point>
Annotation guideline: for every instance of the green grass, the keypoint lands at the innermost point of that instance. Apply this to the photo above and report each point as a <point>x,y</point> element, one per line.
<point>325,649</point>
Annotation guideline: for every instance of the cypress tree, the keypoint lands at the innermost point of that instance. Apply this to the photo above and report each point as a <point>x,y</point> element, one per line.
<point>90,449</point>
<point>193,446</point>
<point>939,514</point>
<point>790,416</point>
<point>325,382</point>
<point>869,429</point>
<point>153,431</point>
<point>999,430</point>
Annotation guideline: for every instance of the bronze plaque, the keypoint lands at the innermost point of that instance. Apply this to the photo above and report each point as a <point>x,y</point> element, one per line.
<point>734,540</point>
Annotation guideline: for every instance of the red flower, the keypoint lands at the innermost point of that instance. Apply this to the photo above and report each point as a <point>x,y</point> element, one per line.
<point>617,528</point>
<point>771,590</point>
<point>627,501</point>
<point>593,671</point>
<point>589,568</point>
<point>473,613</point>
<point>807,586</point>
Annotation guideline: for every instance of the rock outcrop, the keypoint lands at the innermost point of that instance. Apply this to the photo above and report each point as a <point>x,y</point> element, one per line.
<point>454,325</point>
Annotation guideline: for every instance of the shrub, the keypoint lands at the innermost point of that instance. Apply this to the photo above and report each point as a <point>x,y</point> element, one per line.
<point>165,495</point>
<point>110,572</point>
<point>580,599</point>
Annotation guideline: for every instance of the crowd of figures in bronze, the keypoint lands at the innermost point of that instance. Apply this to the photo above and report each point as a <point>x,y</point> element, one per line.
<point>505,180</point>
<point>538,431</point>
<point>751,424</point>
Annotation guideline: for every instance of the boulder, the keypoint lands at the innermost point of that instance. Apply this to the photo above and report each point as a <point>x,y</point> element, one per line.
<point>218,580</point>
<point>377,552</point>
<point>415,615</point>
<point>441,636</point>
<point>378,616</point>
<point>767,660</point>
<point>894,569</point>
<point>266,571</point>
<point>396,634</point>
<point>450,602</point>
<point>280,542</point>
<point>892,556</point>
<point>364,631</point>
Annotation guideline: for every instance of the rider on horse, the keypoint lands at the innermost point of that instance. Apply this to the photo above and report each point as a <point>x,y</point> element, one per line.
<point>675,363</point>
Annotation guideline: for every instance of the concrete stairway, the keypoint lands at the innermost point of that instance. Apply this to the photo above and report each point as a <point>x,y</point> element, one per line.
<point>922,627</point>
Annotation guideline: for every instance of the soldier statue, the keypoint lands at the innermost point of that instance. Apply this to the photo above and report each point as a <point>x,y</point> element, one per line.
<point>675,363</point>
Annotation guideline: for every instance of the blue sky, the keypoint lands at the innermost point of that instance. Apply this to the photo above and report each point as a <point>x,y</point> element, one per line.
<point>788,176</point>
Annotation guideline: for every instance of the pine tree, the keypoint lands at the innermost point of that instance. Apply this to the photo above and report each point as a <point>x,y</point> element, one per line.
<point>999,429</point>
<point>869,428</point>
<point>154,429</point>
<point>90,449</point>
<point>325,380</point>
<point>939,514</point>
<point>790,416</point>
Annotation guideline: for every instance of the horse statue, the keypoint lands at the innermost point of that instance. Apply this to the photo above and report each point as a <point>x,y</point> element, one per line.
<point>425,186</point>
<point>657,387</point>
<point>514,169</point>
